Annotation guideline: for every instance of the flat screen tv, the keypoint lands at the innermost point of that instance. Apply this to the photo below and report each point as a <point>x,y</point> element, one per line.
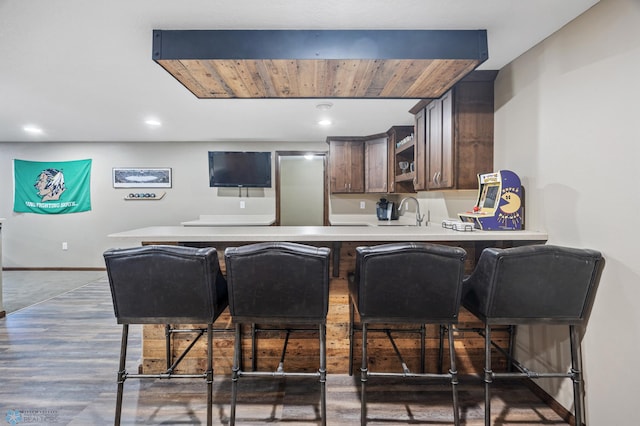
<point>240,169</point>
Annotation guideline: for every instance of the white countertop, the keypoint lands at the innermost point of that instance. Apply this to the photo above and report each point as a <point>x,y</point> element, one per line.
<point>231,220</point>
<point>433,232</point>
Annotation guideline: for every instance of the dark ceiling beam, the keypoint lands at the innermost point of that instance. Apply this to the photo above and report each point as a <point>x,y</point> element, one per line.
<point>320,44</point>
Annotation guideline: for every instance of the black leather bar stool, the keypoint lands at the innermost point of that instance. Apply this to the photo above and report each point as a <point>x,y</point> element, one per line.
<point>538,284</point>
<point>279,284</point>
<point>166,285</point>
<point>407,283</point>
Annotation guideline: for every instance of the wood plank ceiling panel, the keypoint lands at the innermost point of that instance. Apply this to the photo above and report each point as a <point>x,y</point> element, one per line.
<point>294,64</point>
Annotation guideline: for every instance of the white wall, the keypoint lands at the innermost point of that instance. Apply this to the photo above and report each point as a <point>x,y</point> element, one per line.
<point>565,121</point>
<point>32,240</point>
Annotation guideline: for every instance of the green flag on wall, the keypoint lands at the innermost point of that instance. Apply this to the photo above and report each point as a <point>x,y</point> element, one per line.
<point>49,187</point>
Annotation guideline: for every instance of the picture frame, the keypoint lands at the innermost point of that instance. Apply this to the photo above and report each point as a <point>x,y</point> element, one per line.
<point>142,177</point>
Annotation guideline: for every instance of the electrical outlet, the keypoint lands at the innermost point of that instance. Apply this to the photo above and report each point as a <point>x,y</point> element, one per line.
<point>65,246</point>
<point>362,204</point>
<point>242,204</point>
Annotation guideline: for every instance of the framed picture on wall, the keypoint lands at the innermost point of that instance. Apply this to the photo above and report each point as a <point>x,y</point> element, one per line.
<point>141,177</point>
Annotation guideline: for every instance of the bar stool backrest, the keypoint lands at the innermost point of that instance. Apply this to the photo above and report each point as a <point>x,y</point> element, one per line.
<point>537,283</point>
<point>408,282</point>
<point>278,281</point>
<point>165,284</point>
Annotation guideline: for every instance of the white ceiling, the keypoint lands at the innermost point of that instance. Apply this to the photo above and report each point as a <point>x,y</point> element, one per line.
<point>82,70</point>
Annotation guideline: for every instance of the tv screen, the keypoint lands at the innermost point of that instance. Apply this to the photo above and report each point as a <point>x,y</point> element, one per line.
<point>239,168</point>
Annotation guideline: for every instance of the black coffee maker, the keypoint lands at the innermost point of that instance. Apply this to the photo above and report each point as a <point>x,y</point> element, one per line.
<point>386,210</point>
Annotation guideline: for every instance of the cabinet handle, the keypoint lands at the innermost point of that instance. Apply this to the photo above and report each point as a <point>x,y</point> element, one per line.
<point>437,178</point>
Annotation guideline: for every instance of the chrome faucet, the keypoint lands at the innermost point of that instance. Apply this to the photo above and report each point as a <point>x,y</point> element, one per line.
<point>419,217</point>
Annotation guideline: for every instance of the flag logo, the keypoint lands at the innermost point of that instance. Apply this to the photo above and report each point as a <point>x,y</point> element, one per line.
<point>52,187</point>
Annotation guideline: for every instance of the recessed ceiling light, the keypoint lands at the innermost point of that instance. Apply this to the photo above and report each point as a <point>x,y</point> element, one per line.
<point>324,106</point>
<point>34,130</point>
<point>325,122</point>
<point>152,122</point>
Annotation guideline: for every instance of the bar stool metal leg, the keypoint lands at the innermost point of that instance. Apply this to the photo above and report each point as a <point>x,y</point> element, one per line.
<point>363,377</point>
<point>209,374</point>
<point>576,373</point>
<point>454,378</point>
<point>512,346</point>
<point>488,375</point>
<point>121,373</point>
<point>323,373</point>
<point>235,374</point>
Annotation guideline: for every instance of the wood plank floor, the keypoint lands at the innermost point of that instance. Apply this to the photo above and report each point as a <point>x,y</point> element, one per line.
<point>58,363</point>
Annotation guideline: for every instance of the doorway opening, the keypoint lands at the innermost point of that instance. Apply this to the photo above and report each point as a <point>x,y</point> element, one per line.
<point>301,196</point>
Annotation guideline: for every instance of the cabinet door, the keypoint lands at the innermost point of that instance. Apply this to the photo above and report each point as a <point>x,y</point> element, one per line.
<point>338,173</point>
<point>346,167</point>
<point>446,178</point>
<point>356,167</point>
<point>439,132</point>
<point>419,180</point>
<point>474,132</point>
<point>376,164</point>
<point>433,130</point>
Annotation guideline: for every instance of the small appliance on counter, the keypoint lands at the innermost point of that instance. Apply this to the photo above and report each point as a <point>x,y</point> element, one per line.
<point>386,210</point>
<point>499,204</point>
